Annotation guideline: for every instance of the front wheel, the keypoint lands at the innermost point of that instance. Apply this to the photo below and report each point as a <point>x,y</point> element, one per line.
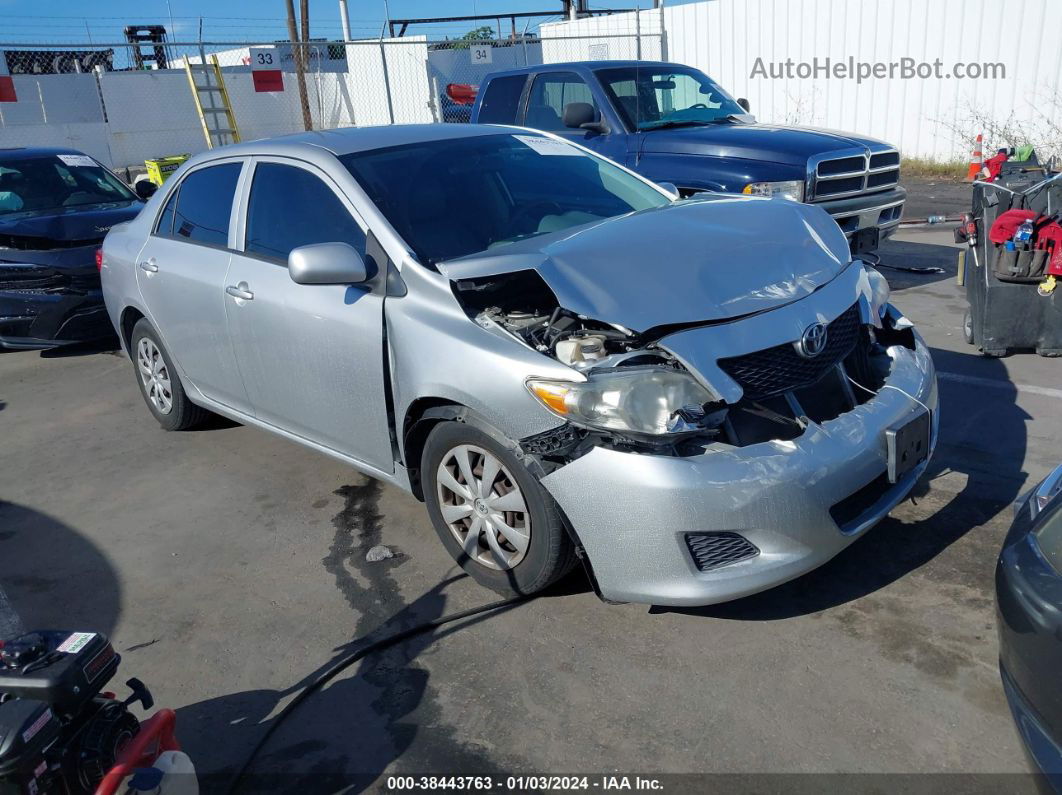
<point>491,513</point>
<point>159,383</point>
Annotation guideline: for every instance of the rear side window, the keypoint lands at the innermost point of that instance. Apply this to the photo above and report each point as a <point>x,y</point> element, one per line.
<point>204,205</point>
<point>549,94</point>
<point>501,99</point>
<point>291,207</point>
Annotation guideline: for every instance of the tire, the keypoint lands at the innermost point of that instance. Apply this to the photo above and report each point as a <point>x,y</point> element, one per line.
<point>177,413</point>
<point>548,553</point>
<point>967,327</point>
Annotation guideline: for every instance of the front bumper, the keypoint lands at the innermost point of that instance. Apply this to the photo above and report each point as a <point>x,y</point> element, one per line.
<point>883,210</point>
<point>632,512</point>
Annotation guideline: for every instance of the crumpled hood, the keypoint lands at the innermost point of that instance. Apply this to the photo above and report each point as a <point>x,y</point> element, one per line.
<point>73,224</point>
<point>692,261</point>
<point>790,145</point>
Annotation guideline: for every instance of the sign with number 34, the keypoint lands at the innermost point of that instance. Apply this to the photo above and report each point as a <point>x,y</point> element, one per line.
<point>481,53</point>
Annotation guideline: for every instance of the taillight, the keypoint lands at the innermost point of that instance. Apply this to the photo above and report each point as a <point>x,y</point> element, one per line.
<point>99,259</point>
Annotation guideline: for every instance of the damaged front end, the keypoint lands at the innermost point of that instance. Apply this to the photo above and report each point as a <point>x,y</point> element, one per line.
<point>684,390</point>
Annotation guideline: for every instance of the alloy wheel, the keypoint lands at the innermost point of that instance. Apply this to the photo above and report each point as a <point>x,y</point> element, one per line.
<point>154,375</point>
<point>483,507</point>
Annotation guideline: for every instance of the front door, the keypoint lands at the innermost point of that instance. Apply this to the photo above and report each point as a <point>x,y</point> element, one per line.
<point>312,355</point>
<point>181,274</point>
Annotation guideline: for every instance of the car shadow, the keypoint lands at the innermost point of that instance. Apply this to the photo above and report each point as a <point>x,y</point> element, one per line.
<point>53,576</point>
<point>349,733</point>
<point>90,348</point>
<point>982,437</point>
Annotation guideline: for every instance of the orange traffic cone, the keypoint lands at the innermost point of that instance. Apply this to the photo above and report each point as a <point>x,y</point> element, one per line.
<point>976,161</point>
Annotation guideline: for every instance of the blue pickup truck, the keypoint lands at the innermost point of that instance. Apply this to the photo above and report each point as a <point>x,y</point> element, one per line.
<point>672,124</point>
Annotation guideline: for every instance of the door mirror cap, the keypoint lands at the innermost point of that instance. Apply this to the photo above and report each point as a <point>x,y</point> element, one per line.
<point>326,263</point>
<point>144,189</point>
<point>580,116</point>
<point>670,188</point>
<point>744,103</point>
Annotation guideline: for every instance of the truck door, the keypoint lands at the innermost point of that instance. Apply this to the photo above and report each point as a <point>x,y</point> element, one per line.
<point>550,92</point>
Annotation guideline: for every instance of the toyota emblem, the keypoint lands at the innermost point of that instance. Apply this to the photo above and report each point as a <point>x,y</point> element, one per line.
<point>813,341</point>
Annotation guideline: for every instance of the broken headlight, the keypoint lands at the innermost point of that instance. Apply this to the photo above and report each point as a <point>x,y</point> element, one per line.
<point>640,400</point>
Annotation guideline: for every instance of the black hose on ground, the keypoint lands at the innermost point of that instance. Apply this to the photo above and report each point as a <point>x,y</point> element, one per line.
<point>358,654</point>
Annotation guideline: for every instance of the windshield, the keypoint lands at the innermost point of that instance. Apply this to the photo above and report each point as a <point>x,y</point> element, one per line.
<point>38,185</point>
<point>666,96</point>
<point>455,197</point>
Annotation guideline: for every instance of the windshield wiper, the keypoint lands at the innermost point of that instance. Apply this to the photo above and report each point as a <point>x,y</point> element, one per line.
<point>659,125</point>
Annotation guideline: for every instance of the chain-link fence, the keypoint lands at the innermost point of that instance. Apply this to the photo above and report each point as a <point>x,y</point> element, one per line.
<point>124,104</point>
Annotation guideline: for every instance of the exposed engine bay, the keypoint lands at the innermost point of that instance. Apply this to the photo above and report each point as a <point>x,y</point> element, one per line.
<point>776,403</point>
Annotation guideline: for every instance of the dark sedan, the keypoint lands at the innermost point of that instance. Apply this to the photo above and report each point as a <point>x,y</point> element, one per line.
<point>56,206</point>
<point>1029,599</point>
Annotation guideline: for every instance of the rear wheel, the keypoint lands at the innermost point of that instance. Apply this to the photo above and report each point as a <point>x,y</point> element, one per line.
<point>159,383</point>
<point>491,513</point>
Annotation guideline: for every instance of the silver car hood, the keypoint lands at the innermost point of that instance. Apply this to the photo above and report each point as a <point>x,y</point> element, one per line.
<point>688,262</point>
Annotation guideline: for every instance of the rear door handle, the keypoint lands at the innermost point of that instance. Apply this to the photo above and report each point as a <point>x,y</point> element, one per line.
<point>149,266</point>
<point>240,291</point>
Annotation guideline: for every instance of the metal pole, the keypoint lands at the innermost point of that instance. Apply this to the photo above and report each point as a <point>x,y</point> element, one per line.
<point>344,19</point>
<point>436,99</point>
<point>386,79</point>
<point>638,31</point>
<point>663,34</point>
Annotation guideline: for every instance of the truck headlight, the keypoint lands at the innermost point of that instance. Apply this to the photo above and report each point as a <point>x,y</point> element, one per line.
<point>638,400</point>
<point>790,189</point>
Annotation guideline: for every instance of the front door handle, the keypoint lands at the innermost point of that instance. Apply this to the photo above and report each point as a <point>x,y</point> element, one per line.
<point>240,291</point>
<point>149,266</point>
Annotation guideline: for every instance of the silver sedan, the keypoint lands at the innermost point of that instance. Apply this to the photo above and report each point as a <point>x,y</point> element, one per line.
<point>698,399</point>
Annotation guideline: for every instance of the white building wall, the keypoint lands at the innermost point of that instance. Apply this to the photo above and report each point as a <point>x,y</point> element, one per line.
<point>725,37</point>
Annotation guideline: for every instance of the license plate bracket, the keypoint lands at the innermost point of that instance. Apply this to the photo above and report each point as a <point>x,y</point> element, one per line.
<point>865,239</point>
<point>907,444</point>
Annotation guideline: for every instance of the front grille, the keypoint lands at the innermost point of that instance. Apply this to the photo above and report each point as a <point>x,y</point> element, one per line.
<point>781,369</point>
<point>714,550</point>
<point>853,174</point>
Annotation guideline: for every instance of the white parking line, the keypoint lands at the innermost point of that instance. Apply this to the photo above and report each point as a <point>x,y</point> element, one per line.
<point>10,623</point>
<point>974,380</point>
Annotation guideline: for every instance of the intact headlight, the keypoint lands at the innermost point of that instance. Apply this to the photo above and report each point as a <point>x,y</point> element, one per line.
<point>790,189</point>
<point>636,399</point>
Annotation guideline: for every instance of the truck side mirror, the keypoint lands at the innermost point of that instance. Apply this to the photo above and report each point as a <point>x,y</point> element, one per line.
<point>144,189</point>
<point>580,116</point>
<point>744,103</point>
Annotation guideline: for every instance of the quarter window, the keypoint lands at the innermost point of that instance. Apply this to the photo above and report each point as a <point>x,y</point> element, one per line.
<point>549,94</point>
<point>165,227</point>
<point>290,207</point>
<point>204,205</point>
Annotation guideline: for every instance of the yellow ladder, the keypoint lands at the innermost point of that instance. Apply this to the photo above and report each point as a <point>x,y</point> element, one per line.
<point>212,102</point>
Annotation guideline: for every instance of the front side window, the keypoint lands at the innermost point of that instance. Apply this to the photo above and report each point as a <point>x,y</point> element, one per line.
<point>204,205</point>
<point>650,97</point>
<point>57,183</point>
<point>549,94</point>
<point>291,207</point>
<point>458,196</point>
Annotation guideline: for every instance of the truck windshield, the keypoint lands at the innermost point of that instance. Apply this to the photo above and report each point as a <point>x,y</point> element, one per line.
<point>458,196</point>
<point>666,96</point>
<point>50,183</point>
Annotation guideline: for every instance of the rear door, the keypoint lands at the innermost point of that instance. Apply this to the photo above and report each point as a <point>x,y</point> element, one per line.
<point>181,274</point>
<point>312,355</point>
<point>544,110</point>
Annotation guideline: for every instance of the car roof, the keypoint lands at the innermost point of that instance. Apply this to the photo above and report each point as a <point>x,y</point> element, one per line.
<point>579,66</point>
<point>348,140</point>
<point>28,152</point>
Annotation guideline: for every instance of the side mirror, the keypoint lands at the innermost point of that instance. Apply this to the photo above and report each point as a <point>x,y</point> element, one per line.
<point>744,103</point>
<point>326,263</point>
<point>144,189</point>
<point>580,116</point>
<point>670,188</point>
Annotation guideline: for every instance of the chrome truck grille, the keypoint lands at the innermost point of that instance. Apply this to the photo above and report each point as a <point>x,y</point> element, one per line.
<point>849,174</point>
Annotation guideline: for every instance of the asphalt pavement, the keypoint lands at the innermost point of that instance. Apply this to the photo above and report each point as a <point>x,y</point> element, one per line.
<point>228,565</point>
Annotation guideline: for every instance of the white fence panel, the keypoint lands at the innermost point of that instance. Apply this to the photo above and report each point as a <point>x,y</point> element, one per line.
<point>636,35</point>
<point>55,110</point>
<point>933,117</point>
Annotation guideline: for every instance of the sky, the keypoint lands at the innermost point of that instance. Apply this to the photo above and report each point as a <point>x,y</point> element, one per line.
<point>102,21</point>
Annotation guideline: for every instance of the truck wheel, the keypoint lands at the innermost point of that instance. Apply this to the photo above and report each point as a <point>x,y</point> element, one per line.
<point>491,513</point>
<point>159,383</point>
